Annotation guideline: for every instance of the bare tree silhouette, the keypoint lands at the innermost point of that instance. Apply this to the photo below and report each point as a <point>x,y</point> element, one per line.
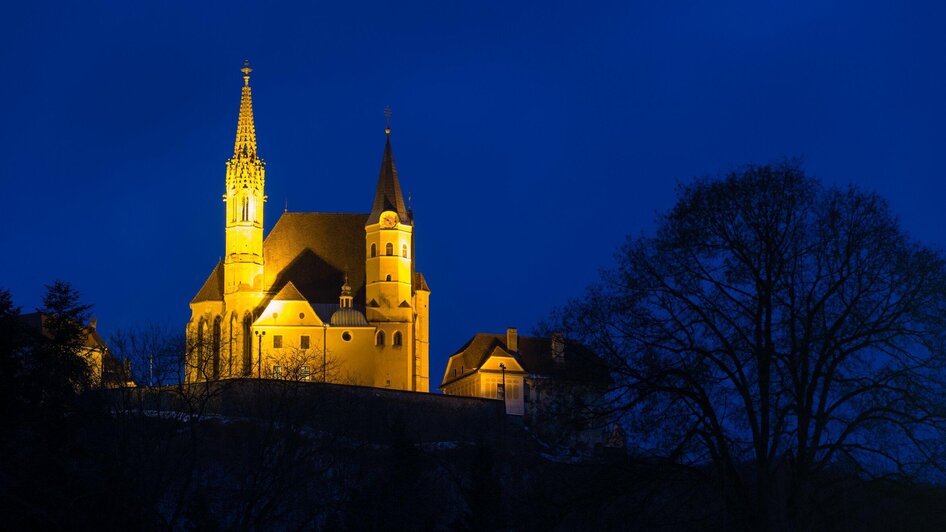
<point>778,331</point>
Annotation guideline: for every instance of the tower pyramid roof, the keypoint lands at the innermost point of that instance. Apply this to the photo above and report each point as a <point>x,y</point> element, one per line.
<point>388,195</point>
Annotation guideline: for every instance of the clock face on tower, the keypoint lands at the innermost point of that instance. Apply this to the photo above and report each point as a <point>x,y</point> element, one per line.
<point>388,219</point>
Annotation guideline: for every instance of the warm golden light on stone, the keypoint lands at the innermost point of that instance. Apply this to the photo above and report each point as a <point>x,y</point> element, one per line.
<point>323,296</point>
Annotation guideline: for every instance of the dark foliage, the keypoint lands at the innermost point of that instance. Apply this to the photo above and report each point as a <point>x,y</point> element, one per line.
<point>42,374</point>
<point>776,335</point>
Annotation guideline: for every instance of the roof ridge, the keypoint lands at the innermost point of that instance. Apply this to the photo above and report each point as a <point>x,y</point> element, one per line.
<point>289,292</point>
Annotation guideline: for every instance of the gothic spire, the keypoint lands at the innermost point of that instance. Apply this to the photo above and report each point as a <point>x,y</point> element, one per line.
<point>245,146</point>
<point>388,195</point>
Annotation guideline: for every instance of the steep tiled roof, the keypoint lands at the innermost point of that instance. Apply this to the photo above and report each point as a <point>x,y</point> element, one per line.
<point>388,195</point>
<point>535,356</point>
<point>213,286</point>
<point>314,250</point>
<point>288,293</point>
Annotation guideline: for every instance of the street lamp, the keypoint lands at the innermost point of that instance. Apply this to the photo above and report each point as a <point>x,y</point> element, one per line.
<point>259,356</point>
<point>503,368</point>
<point>324,347</point>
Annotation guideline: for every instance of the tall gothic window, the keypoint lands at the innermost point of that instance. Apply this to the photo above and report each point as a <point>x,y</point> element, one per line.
<point>247,346</point>
<point>379,339</point>
<point>230,332</point>
<point>396,340</point>
<point>200,348</point>
<point>216,348</point>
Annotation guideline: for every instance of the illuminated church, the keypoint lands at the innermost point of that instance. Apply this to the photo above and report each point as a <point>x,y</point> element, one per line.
<point>324,296</point>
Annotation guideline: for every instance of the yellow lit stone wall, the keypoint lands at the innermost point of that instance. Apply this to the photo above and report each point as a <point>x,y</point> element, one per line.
<point>485,381</point>
<point>421,341</point>
<point>353,355</point>
<point>388,272</point>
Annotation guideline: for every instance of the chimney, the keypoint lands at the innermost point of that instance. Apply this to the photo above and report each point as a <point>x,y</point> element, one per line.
<point>512,340</point>
<point>93,323</point>
<point>558,347</point>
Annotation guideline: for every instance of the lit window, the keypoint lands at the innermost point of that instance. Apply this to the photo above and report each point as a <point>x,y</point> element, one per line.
<point>277,341</point>
<point>396,341</point>
<point>304,372</point>
<point>499,391</point>
<point>374,250</point>
<point>404,250</point>
<point>379,338</point>
<point>304,342</point>
<point>389,249</point>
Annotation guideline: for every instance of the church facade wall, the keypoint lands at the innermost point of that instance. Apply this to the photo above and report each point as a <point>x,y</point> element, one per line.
<point>252,320</point>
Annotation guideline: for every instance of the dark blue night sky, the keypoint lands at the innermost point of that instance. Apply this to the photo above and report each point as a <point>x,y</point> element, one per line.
<point>532,138</point>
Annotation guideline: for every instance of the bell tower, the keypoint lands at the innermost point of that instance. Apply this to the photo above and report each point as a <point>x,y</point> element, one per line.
<point>244,198</point>
<point>389,266</point>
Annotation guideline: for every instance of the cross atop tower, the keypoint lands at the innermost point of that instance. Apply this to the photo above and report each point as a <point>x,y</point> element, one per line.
<point>387,119</point>
<point>246,72</point>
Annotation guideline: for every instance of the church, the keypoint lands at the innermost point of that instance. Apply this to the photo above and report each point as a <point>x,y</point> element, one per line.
<point>323,297</point>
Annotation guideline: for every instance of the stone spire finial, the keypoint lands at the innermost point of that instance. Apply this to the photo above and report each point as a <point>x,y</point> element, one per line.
<point>246,72</point>
<point>245,146</point>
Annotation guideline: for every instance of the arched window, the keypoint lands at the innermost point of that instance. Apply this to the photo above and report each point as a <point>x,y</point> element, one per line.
<point>374,251</point>
<point>216,348</point>
<point>247,346</point>
<point>387,277</point>
<point>231,330</point>
<point>246,209</point>
<point>404,250</point>
<point>389,249</point>
<point>396,341</point>
<point>379,338</point>
<point>201,348</point>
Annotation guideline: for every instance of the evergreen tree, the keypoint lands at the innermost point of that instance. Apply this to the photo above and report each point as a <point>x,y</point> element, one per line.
<point>56,369</point>
<point>11,363</point>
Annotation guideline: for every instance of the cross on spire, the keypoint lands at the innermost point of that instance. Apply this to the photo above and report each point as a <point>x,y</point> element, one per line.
<point>246,72</point>
<point>387,119</point>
